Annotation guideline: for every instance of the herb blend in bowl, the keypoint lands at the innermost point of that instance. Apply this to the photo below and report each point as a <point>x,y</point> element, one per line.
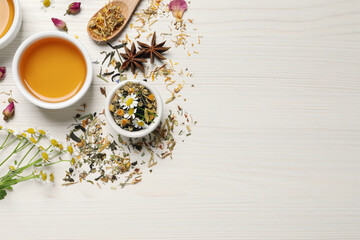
<point>134,108</point>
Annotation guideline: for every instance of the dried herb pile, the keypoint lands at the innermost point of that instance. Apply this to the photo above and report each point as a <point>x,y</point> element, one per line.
<point>101,158</point>
<point>106,21</point>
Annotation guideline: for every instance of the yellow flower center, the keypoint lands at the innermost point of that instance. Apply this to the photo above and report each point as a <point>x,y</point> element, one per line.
<point>42,132</point>
<point>43,176</point>
<point>131,111</point>
<point>61,147</point>
<point>31,131</point>
<point>54,142</point>
<point>51,177</point>
<point>70,149</point>
<point>46,3</point>
<point>129,101</point>
<point>141,123</point>
<point>45,156</point>
<point>32,140</point>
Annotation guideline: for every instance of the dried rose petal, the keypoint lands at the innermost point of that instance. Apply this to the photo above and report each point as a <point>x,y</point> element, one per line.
<point>73,8</point>
<point>9,111</point>
<point>60,24</point>
<point>2,72</point>
<point>178,7</point>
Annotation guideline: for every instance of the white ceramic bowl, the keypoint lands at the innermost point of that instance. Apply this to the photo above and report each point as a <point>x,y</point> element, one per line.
<point>15,26</point>
<point>142,132</point>
<point>32,98</point>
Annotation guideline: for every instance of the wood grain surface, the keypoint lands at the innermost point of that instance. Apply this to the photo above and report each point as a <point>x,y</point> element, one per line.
<point>275,154</point>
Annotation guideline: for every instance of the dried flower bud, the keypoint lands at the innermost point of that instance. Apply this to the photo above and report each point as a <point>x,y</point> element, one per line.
<point>60,24</point>
<point>73,8</point>
<point>178,7</point>
<point>9,111</point>
<point>2,72</point>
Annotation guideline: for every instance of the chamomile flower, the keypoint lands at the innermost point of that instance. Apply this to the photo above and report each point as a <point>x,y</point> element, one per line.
<point>33,140</point>
<point>130,101</point>
<point>138,123</point>
<point>31,130</point>
<point>130,114</point>
<point>46,4</point>
<point>45,177</point>
<point>54,142</point>
<point>45,156</point>
<point>70,149</point>
<point>42,132</point>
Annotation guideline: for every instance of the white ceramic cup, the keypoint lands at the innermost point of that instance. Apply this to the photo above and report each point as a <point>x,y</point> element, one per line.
<point>19,83</point>
<point>15,26</point>
<point>142,132</point>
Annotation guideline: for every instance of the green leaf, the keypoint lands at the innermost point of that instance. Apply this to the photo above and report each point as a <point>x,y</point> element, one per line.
<point>2,194</point>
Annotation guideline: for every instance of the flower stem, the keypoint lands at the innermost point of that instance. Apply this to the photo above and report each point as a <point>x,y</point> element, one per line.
<point>5,184</point>
<point>9,143</point>
<point>57,162</point>
<point>2,145</point>
<point>26,154</point>
<point>34,156</point>
<point>11,154</point>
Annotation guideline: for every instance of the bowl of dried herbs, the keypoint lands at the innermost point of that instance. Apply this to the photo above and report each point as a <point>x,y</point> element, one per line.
<point>134,108</point>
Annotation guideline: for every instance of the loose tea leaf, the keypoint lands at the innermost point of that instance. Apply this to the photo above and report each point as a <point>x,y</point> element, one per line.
<point>74,137</point>
<point>103,91</point>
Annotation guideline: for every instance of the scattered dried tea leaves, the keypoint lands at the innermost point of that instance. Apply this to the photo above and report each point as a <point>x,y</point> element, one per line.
<point>100,158</point>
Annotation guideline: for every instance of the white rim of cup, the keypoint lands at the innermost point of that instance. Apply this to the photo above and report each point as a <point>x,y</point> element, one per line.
<point>140,133</point>
<point>15,26</point>
<point>58,105</point>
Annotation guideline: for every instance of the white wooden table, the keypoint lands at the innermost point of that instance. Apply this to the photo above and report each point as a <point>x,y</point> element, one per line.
<point>275,154</point>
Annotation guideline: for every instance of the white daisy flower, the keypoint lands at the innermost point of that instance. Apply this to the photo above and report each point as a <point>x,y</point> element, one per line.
<point>130,101</point>
<point>45,4</point>
<point>138,123</point>
<point>130,114</point>
<point>44,177</point>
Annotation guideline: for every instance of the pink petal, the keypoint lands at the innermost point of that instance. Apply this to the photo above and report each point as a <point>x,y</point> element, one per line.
<point>60,24</point>
<point>2,72</point>
<point>9,111</point>
<point>73,8</point>
<point>178,7</point>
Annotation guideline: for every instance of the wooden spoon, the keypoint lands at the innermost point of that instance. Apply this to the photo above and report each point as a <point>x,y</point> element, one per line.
<point>127,8</point>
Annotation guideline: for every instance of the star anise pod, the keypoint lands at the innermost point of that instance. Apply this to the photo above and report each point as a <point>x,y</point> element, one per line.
<point>133,59</point>
<point>154,49</point>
